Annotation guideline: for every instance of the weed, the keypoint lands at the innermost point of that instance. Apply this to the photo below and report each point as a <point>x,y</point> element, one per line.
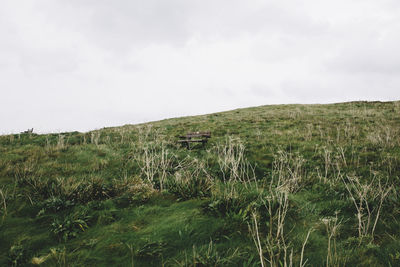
<point>151,249</point>
<point>17,255</point>
<point>56,256</point>
<point>3,203</point>
<point>363,195</point>
<point>190,181</point>
<point>70,226</point>
<point>332,226</point>
<point>208,255</point>
<point>232,161</point>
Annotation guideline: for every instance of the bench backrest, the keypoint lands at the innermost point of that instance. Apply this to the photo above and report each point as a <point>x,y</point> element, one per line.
<point>198,134</point>
<point>28,131</point>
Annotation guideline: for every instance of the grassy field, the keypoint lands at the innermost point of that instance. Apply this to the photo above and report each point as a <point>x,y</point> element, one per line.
<point>283,185</point>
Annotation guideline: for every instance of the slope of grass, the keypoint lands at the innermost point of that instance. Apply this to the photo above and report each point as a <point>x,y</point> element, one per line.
<point>276,185</point>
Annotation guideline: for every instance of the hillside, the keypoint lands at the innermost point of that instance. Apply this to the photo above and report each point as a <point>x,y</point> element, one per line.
<point>310,185</point>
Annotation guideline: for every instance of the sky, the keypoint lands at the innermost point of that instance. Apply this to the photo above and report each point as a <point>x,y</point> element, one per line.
<point>87,64</point>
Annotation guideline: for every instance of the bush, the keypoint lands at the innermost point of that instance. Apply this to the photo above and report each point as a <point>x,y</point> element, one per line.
<point>151,249</point>
<point>17,255</point>
<point>235,199</point>
<point>55,204</point>
<point>70,226</point>
<point>186,185</point>
<point>208,255</point>
<point>68,189</point>
<point>133,191</point>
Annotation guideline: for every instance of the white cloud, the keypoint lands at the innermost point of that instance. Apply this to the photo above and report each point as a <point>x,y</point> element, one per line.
<point>79,65</point>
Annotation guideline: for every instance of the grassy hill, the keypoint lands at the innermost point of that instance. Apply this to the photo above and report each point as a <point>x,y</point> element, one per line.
<point>276,185</point>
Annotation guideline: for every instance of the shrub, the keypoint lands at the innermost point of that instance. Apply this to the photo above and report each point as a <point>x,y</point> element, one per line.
<point>208,255</point>
<point>187,184</point>
<point>56,204</point>
<point>56,257</point>
<point>17,255</point>
<point>68,189</point>
<point>70,226</point>
<point>151,249</point>
<point>133,190</point>
<point>235,199</point>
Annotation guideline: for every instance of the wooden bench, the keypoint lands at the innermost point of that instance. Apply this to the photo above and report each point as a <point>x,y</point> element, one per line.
<point>194,137</point>
<point>29,131</point>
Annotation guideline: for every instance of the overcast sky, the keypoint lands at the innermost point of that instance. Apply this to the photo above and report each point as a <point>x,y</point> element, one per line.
<point>86,64</point>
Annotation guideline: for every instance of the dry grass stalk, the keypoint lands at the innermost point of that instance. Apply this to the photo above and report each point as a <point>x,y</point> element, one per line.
<point>147,133</point>
<point>232,162</point>
<point>327,161</point>
<point>309,132</point>
<point>154,163</point>
<point>276,237</point>
<point>230,158</point>
<point>303,247</point>
<point>57,255</point>
<point>95,137</point>
<point>3,204</point>
<point>288,172</point>
<point>385,136</point>
<point>342,156</point>
<point>274,243</point>
<point>332,226</point>
<point>362,195</point>
<point>253,229</point>
<point>48,143</point>
<point>61,142</point>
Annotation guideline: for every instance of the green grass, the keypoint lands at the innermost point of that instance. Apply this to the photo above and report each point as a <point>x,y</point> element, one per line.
<point>274,185</point>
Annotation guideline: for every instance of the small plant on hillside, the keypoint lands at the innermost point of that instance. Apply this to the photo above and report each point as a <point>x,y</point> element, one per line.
<point>17,255</point>
<point>190,181</point>
<point>288,172</point>
<point>151,249</point>
<point>384,136</point>
<point>25,169</point>
<point>147,134</point>
<point>61,143</point>
<point>208,255</point>
<point>70,226</point>
<point>232,162</point>
<point>56,256</point>
<point>133,190</point>
<point>368,199</point>
<point>55,204</point>
<point>155,163</point>
<point>332,225</point>
<point>269,236</point>
<point>95,137</point>
<point>235,200</point>
<point>287,177</point>
<point>274,242</point>
<point>3,203</point>
<point>19,251</point>
<point>94,188</point>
